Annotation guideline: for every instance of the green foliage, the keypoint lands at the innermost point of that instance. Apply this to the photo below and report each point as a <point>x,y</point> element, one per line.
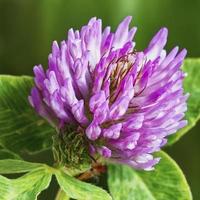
<point>5,154</point>
<point>191,84</point>
<point>21,129</point>
<point>25,187</point>
<point>61,195</point>
<point>11,166</point>
<point>38,178</point>
<point>166,182</point>
<point>79,190</point>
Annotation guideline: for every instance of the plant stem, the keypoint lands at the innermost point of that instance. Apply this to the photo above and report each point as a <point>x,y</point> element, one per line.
<point>61,195</point>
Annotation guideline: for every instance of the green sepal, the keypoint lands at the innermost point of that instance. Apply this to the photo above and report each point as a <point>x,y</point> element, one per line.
<point>70,149</point>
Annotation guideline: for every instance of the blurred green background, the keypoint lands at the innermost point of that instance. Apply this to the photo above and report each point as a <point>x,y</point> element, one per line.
<point>28,27</point>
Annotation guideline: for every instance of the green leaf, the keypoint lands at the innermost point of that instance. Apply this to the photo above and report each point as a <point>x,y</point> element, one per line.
<point>27,187</point>
<point>9,166</point>
<point>77,189</point>
<point>191,84</point>
<point>61,195</point>
<point>4,154</point>
<point>166,182</point>
<point>21,129</point>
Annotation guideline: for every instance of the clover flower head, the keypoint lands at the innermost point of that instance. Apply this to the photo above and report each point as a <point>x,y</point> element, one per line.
<point>124,102</point>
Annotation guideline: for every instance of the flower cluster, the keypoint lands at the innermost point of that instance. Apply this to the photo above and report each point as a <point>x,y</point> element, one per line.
<point>125,102</point>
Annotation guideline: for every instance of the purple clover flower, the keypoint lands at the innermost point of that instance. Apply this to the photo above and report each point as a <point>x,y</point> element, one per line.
<point>126,102</point>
